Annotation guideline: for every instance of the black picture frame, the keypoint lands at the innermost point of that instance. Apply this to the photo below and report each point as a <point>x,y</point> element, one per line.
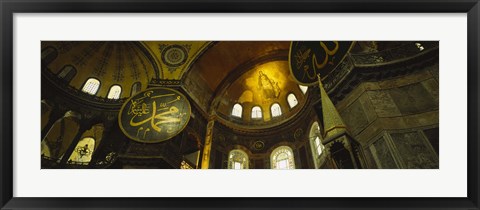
<point>10,7</point>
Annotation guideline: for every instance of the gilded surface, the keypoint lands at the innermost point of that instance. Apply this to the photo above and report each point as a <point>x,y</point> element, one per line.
<point>154,115</point>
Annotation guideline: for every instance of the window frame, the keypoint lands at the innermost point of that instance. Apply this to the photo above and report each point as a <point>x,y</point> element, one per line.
<point>288,102</point>
<point>261,113</point>
<point>241,111</point>
<point>280,110</point>
<point>110,90</point>
<point>98,89</point>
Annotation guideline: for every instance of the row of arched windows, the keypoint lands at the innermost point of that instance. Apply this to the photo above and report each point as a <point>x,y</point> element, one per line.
<point>275,109</point>
<point>282,157</point>
<point>92,85</point>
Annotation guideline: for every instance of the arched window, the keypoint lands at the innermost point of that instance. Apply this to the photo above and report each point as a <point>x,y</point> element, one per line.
<point>282,158</point>
<point>114,92</point>
<point>292,100</point>
<point>67,73</point>
<point>237,159</point>
<point>237,110</point>
<point>276,110</point>
<point>48,55</point>
<point>256,112</point>
<point>316,143</point>
<point>303,88</point>
<point>91,86</point>
<point>136,88</point>
<point>82,154</point>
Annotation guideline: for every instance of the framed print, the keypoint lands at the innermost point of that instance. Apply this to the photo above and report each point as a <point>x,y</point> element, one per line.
<point>239,105</point>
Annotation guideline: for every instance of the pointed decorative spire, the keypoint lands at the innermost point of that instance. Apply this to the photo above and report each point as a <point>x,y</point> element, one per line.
<point>332,121</point>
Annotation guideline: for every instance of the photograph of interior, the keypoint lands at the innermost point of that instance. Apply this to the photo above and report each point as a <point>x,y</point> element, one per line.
<point>239,105</point>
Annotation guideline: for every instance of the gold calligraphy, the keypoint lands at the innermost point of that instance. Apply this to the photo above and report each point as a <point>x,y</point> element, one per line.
<point>154,115</point>
<point>307,59</point>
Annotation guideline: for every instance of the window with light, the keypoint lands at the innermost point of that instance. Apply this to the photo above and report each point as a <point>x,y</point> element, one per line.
<point>256,112</point>
<point>114,92</point>
<point>282,158</point>
<point>91,86</point>
<point>82,154</point>
<point>292,100</point>
<point>237,159</point>
<point>303,88</point>
<point>237,110</point>
<point>276,110</point>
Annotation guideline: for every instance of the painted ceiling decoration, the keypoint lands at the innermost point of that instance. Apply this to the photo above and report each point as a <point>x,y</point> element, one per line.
<point>175,57</point>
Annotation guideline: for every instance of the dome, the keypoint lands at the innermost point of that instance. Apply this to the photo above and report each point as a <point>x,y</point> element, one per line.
<point>114,70</point>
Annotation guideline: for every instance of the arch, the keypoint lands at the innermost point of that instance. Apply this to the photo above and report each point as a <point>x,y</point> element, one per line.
<point>88,144</point>
<point>136,87</point>
<point>282,158</point>
<point>67,73</point>
<point>292,100</point>
<point>237,159</point>
<point>316,143</point>
<point>82,154</point>
<point>114,92</point>
<point>276,110</point>
<point>60,136</point>
<point>256,112</point>
<point>91,86</point>
<point>237,110</point>
<point>303,88</point>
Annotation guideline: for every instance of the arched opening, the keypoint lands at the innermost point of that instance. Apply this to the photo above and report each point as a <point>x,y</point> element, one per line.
<point>316,143</point>
<point>237,159</point>
<point>237,110</point>
<point>282,158</point>
<point>256,112</point>
<point>91,86</point>
<point>292,100</point>
<point>114,92</point>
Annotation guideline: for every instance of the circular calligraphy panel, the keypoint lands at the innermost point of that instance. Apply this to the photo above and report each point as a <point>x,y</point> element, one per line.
<point>309,58</point>
<point>154,115</point>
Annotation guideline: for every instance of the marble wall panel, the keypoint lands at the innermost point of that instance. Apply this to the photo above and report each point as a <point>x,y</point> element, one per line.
<point>414,151</point>
<point>382,154</point>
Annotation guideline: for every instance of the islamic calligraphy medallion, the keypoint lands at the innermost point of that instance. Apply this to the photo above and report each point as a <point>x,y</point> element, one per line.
<point>154,115</point>
<point>309,58</point>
